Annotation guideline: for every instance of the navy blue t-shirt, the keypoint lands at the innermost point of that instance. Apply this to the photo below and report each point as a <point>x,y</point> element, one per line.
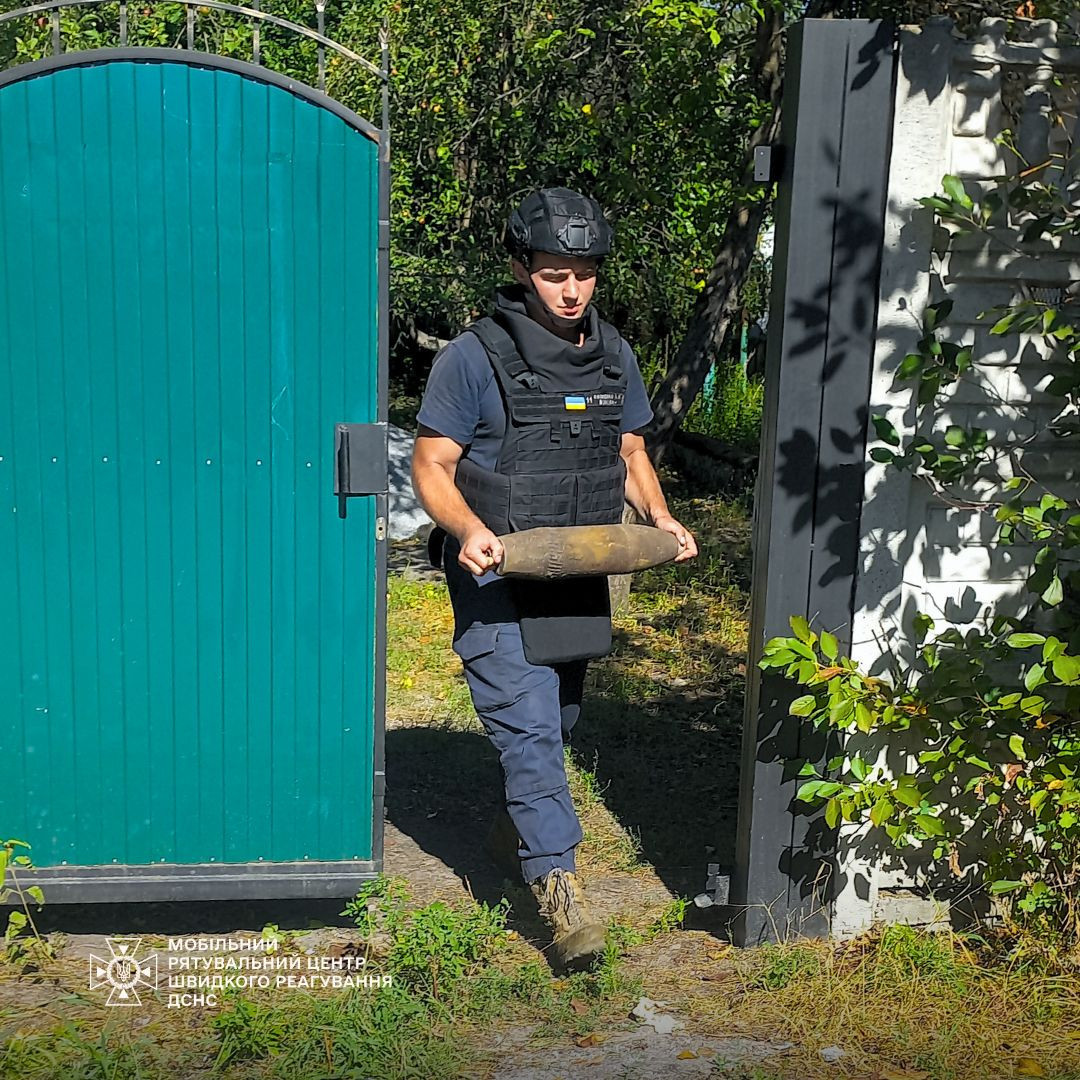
<point>462,400</point>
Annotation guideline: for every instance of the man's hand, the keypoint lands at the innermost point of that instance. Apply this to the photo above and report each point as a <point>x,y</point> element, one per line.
<point>481,550</point>
<point>687,543</point>
<point>644,495</point>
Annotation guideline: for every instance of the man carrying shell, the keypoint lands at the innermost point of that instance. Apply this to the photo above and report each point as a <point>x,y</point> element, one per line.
<point>532,418</point>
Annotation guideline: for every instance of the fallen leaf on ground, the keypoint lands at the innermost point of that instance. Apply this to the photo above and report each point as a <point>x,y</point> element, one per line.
<point>578,1006</point>
<point>1029,1067</point>
<point>685,1055</point>
<point>592,1039</point>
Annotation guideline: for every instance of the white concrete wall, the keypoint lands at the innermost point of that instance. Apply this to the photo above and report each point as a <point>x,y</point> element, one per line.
<point>953,98</point>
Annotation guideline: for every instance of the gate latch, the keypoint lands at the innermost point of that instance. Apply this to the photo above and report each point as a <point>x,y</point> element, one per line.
<point>360,461</point>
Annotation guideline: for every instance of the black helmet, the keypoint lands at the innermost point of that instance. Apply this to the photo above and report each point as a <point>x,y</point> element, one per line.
<point>560,222</point>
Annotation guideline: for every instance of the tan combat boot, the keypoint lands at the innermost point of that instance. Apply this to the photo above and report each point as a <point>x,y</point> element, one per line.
<point>577,937</point>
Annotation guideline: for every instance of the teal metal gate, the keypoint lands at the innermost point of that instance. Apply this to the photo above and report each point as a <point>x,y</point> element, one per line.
<point>193,271</point>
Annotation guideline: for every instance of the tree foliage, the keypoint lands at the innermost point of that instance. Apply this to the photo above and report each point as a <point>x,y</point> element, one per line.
<point>645,104</point>
<point>648,104</point>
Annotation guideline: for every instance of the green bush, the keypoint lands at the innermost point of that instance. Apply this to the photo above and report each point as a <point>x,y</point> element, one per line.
<point>432,947</point>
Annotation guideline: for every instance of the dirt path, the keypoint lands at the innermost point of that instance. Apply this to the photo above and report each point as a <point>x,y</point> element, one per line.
<point>631,1049</point>
<point>626,1048</point>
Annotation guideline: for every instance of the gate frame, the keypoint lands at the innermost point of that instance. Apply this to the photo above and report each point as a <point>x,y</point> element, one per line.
<point>835,147</point>
<point>287,880</point>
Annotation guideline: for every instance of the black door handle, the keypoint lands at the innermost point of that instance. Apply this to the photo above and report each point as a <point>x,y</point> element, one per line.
<point>360,462</point>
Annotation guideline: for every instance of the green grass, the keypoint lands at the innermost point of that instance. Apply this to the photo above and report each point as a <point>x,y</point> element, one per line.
<point>423,676</point>
<point>387,1032</point>
<point>456,970</point>
<point>70,1051</point>
<point>731,410</point>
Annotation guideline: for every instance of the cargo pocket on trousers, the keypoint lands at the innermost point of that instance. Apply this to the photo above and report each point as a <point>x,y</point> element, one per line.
<point>476,641</point>
<point>485,670</point>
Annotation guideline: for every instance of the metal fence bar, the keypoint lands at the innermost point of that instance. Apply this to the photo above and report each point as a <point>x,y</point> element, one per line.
<point>259,16</point>
<point>123,25</point>
<point>320,9</point>
<point>256,36</point>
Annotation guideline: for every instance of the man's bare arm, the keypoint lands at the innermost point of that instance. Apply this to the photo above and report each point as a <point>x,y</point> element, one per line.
<point>434,464</point>
<point>644,495</point>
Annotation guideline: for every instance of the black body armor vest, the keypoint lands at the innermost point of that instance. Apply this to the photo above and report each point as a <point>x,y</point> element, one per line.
<point>559,463</point>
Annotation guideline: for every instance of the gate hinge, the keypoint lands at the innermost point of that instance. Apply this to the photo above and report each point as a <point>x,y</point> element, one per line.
<point>360,461</point>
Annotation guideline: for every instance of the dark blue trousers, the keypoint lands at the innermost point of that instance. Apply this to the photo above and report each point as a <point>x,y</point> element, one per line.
<point>526,709</point>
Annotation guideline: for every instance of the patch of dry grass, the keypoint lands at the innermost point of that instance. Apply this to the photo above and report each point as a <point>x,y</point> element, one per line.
<point>424,682</point>
<point>901,1004</point>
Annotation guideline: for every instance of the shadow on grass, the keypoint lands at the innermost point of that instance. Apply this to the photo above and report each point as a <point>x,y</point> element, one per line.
<point>667,769</point>
<point>443,787</point>
<point>660,729</point>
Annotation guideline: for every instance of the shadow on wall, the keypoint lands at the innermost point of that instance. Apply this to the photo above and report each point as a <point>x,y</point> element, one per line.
<point>908,552</point>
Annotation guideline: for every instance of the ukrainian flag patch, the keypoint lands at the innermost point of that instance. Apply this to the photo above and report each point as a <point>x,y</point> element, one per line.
<point>572,402</point>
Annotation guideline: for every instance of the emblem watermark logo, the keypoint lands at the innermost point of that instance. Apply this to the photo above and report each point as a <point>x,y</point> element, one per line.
<point>123,971</point>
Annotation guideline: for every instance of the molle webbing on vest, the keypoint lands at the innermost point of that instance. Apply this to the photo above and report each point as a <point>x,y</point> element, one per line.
<point>559,463</point>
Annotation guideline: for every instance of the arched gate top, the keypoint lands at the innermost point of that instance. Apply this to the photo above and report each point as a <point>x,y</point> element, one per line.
<point>257,16</point>
<point>196,58</point>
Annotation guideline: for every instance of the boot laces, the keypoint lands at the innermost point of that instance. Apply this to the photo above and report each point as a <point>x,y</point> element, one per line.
<point>561,902</point>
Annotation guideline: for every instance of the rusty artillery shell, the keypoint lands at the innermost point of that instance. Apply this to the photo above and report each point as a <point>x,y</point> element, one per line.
<point>582,550</point>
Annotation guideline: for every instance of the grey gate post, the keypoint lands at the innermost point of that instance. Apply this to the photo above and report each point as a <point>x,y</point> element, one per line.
<point>834,162</point>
